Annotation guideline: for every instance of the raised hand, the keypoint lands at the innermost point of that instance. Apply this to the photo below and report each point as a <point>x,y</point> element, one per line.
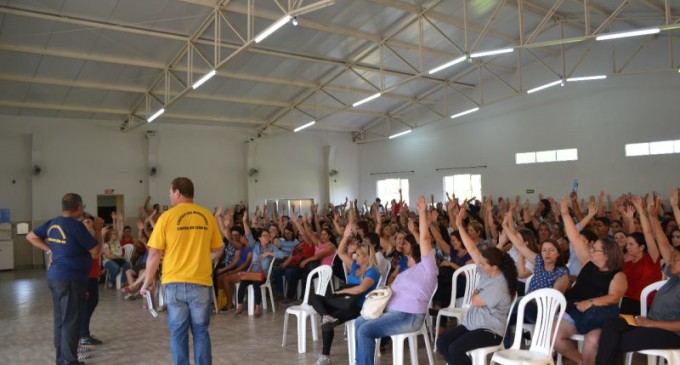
<point>592,205</point>
<point>422,205</point>
<point>564,205</point>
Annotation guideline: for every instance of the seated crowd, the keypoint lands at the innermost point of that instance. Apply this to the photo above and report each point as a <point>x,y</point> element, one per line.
<point>600,259</point>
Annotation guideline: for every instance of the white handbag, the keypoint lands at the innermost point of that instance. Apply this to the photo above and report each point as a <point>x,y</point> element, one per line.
<point>375,302</point>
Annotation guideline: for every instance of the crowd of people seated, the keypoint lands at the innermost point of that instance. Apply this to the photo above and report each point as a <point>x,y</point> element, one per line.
<point>600,258</point>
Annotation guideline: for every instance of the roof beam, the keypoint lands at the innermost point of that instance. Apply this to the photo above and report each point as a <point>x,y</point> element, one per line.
<point>141,90</point>
<point>161,66</point>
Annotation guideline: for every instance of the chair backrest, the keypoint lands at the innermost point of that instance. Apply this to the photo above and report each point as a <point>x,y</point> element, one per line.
<point>269,273</point>
<point>384,271</point>
<point>645,294</point>
<point>527,282</point>
<point>472,279</point>
<point>129,249</point>
<point>325,274</point>
<point>551,305</point>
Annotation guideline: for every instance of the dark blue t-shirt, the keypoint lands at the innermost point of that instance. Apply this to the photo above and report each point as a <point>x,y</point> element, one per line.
<point>70,243</point>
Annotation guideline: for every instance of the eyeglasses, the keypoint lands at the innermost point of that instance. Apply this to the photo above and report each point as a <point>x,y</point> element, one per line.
<point>592,248</point>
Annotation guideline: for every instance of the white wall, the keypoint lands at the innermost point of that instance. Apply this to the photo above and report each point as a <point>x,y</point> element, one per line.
<point>598,118</point>
<point>88,157</point>
<point>296,165</point>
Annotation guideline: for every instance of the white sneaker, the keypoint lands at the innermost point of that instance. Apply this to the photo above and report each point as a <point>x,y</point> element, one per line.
<point>323,360</point>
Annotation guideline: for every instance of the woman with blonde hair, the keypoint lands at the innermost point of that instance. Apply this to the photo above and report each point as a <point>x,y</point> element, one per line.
<point>346,303</point>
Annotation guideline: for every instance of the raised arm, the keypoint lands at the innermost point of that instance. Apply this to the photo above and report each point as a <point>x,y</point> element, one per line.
<point>675,197</point>
<point>437,235</point>
<point>425,240</point>
<point>118,222</point>
<point>580,247</point>
<point>516,239</point>
<point>652,249</point>
<point>469,243</point>
<point>573,196</point>
<point>664,246</point>
<point>343,251</point>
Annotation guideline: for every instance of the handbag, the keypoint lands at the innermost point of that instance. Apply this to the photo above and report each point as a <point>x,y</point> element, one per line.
<point>251,276</point>
<point>375,302</point>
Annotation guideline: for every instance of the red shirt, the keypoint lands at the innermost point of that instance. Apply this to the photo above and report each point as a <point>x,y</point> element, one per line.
<point>95,270</point>
<point>640,274</point>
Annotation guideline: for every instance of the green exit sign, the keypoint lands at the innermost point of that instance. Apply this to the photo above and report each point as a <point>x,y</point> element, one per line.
<point>530,191</point>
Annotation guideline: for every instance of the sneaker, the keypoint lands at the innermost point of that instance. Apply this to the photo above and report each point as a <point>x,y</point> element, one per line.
<point>89,341</point>
<point>131,296</point>
<point>83,355</point>
<point>83,348</point>
<point>226,309</point>
<point>323,360</point>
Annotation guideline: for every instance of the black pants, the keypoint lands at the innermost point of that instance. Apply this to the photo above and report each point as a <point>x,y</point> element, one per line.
<point>618,337</point>
<point>67,300</point>
<point>630,306</point>
<point>243,286</point>
<point>323,307</point>
<point>454,344</point>
<point>91,301</point>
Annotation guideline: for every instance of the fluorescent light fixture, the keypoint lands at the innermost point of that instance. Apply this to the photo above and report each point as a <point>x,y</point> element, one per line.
<point>272,28</point>
<point>366,100</point>
<point>203,79</point>
<point>401,133</point>
<point>492,53</point>
<point>304,126</point>
<point>448,64</point>
<point>633,33</point>
<point>156,115</point>
<point>587,78</point>
<point>464,113</point>
<point>554,83</point>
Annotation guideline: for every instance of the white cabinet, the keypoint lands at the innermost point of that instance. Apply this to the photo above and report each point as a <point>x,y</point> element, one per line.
<point>6,255</point>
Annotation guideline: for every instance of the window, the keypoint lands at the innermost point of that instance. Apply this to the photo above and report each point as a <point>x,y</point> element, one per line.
<point>388,189</point>
<point>525,157</point>
<point>653,148</point>
<point>464,186</point>
<point>570,154</point>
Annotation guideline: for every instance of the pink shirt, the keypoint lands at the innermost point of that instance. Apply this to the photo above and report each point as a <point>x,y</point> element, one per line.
<point>321,247</point>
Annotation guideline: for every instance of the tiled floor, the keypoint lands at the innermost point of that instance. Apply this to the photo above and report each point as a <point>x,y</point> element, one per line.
<point>132,336</point>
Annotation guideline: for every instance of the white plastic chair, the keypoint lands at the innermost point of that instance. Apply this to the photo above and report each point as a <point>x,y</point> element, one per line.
<point>304,310</point>
<point>398,342</point>
<point>384,271</point>
<point>671,356</point>
<point>551,306</point>
<point>480,355</point>
<point>267,286</point>
<point>458,308</point>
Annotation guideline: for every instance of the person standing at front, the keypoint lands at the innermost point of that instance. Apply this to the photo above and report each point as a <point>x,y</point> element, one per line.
<point>70,248</point>
<point>187,234</point>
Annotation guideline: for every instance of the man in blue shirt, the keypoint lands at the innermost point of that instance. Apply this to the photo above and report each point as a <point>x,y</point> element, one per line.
<point>69,247</point>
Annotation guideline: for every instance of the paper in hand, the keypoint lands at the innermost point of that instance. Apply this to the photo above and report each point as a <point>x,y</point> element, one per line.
<point>149,304</point>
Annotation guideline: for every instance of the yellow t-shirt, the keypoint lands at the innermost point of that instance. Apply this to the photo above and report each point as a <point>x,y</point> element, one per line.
<point>187,233</point>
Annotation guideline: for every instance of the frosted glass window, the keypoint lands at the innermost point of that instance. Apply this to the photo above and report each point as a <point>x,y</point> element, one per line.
<point>545,156</point>
<point>525,157</point>
<point>567,155</point>
<point>388,189</point>
<point>637,149</point>
<point>464,186</point>
<point>661,148</point>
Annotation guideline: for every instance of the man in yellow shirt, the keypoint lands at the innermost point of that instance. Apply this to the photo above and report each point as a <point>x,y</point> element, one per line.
<point>188,234</point>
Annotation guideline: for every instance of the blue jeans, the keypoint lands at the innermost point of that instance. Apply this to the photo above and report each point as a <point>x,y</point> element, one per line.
<point>189,307</point>
<point>390,323</point>
<point>114,268</point>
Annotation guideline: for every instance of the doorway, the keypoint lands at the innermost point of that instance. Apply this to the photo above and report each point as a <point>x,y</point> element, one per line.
<point>107,204</point>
